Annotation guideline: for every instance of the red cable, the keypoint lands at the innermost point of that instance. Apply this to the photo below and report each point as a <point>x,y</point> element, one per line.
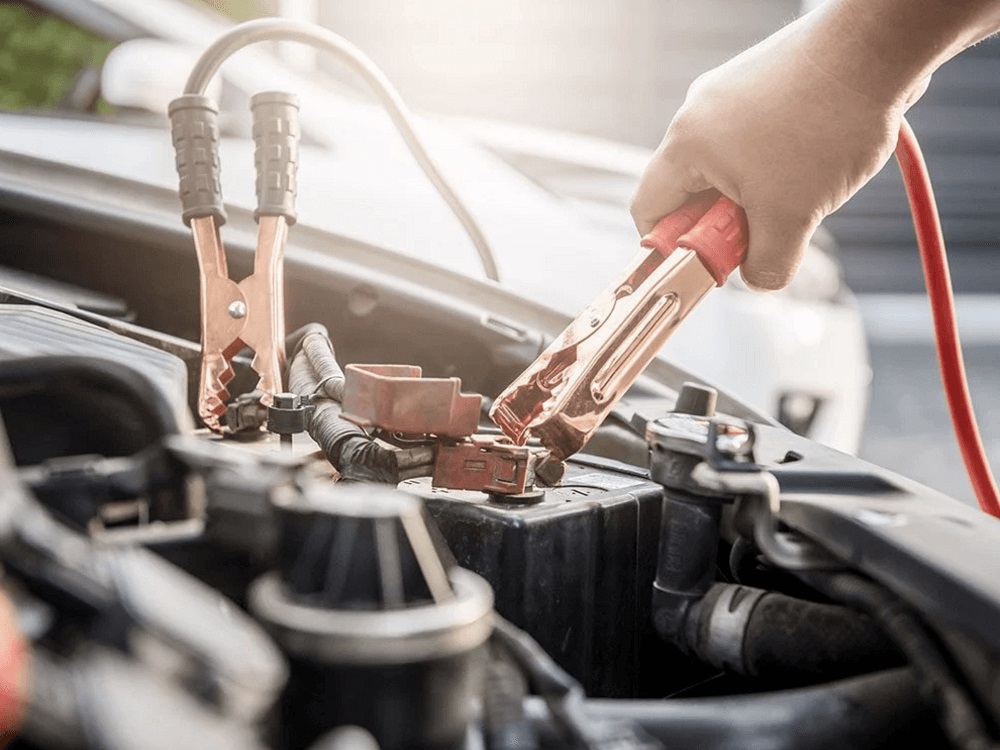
<point>933,257</point>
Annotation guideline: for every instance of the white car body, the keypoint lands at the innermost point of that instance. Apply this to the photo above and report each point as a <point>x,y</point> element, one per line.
<point>557,246</point>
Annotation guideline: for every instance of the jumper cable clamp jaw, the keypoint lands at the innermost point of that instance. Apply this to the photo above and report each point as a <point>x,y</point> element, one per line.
<point>564,396</point>
<point>248,313</point>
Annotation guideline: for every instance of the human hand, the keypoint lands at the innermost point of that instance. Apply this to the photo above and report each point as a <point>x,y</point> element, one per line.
<point>789,130</point>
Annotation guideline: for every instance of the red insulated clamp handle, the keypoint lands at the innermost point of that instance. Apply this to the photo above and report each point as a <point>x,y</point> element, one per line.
<point>715,228</point>
<point>668,230</point>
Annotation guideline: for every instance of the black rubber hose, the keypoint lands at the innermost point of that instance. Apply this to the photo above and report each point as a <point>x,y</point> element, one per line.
<point>761,633</point>
<point>319,352</point>
<point>346,738</point>
<point>504,723</point>
<point>791,637</point>
<point>960,718</point>
<point>873,711</point>
<point>563,695</point>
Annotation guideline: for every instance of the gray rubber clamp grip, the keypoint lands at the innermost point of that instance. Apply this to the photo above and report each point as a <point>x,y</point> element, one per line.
<point>194,127</point>
<point>276,137</point>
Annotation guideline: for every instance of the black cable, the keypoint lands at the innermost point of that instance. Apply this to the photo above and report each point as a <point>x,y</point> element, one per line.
<point>279,29</point>
<point>960,718</point>
<point>504,722</point>
<point>350,450</point>
<point>564,696</point>
<point>880,710</point>
<point>313,341</point>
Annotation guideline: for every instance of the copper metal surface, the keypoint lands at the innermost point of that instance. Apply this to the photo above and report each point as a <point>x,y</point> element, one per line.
<point>397,399</point>
<point>484,464</point>
<point>233,315</point>
<point>563,397</point>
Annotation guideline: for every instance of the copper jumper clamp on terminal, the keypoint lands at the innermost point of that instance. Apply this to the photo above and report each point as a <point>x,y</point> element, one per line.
<point>248,313</point>
<point>564,396</point>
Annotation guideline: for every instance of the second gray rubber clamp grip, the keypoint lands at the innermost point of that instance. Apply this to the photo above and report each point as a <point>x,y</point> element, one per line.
<point>276,155</point>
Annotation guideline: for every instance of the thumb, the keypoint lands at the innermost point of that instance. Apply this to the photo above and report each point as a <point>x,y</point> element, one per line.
<point>664,187</point>
<point>777,245</point>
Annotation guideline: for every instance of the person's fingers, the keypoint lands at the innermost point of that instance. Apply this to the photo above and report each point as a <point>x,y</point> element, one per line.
<point>777,245</point>
<point>663,187</point>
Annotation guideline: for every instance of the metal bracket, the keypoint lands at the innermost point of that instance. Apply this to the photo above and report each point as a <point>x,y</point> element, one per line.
<point>714,457</point>
<point>759,501</point>
<point>397,399</point>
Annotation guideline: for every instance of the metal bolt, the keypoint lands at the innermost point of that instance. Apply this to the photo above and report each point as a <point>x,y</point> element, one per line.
<point>696,399</point>
<point>237,309</point>
<point>594,322</point>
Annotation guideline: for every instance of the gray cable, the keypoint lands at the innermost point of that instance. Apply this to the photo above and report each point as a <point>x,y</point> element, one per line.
<point>275,29</point>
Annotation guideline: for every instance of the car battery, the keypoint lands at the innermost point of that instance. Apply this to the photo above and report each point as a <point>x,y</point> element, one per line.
<point>574,569</point>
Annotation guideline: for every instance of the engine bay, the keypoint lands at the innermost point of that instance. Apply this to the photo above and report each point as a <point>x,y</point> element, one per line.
<point>363,560</point>
<point>641,580</point>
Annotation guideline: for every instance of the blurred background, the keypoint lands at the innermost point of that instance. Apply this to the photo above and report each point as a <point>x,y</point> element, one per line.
<point>618,69</point>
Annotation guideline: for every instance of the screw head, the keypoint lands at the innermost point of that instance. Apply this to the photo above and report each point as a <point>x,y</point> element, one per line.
<point>237,309</point>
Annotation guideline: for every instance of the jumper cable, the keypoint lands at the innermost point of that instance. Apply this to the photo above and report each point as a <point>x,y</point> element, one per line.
<point>565,394</point>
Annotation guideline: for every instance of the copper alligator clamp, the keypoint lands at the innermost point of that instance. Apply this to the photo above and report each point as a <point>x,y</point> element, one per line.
<point>251,312</point>
<point>566,393</point>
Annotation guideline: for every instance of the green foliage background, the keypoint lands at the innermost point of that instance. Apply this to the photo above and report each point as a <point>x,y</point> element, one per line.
<point>41,58</point>
<point>241,10</point>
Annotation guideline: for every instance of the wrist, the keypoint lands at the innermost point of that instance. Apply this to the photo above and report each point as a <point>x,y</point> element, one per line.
<point>885,50</point>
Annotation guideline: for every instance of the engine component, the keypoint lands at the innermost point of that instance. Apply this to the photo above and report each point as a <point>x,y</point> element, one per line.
<point>564,697</point>
<point>246,413</point>
<point>99,699</point>
<point>689,525</point>
<point>64,410</point>
<point>881,710</point>
<point>574,568</point>
<point>251,312</point>
<point>135,602</point>
<point>741,629</point>
<point>160,378</point>
<point>287,416</point>
<point>700,459</point>
<point>961,717</point>
<point>379,634</point>
<point>314,374</point>
<point>766,634</point>
<point>396,398</point>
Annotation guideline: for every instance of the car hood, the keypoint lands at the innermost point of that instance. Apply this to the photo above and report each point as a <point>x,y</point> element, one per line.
<point>367,187</point>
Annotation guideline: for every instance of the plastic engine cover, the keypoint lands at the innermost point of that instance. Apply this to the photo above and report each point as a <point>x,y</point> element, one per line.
<point>575,570</point>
